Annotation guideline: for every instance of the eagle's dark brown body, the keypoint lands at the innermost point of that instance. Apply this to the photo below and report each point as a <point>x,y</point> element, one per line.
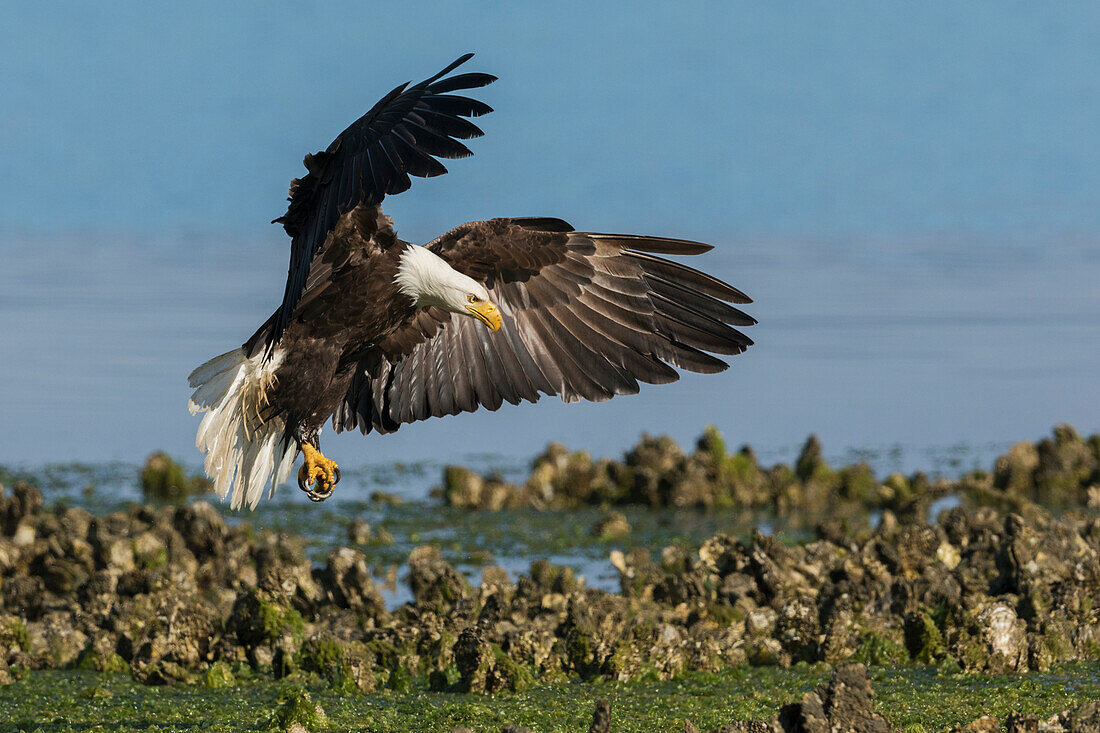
<point>350,304</point>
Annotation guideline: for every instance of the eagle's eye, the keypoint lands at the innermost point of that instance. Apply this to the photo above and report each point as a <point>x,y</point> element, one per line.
<point>471,298</point>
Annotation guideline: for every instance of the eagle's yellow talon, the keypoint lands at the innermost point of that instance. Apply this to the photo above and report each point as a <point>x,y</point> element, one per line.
<point>318,475</point>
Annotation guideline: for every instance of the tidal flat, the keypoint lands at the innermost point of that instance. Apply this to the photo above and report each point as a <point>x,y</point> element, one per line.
<point>677,585</point>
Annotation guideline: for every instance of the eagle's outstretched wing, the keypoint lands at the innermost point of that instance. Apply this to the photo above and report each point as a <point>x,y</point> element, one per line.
<point>585,316</point>
<point>401,136</point>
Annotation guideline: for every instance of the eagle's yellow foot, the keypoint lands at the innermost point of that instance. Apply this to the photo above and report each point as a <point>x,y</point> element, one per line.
<point>318,476</point>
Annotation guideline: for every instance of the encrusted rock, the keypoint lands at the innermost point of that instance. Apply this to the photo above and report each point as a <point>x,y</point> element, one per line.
<point>180,635</point>
<point>462,487</point>
<point>299,713</point>
<point>56,639</point>
<point>163,478</point>
<point>842,704</point>
<point>473,656</point>
<point>433,580</point>
<point>347,581</point>
<point>1022,723</point>
<point>601,718</point>
<point>260,619</point>
<point>346,666</point>
<point>611,526</point>
<point>1003,634</point>
<point>14,636</point>
<point>359,532</point>
<point>1064,470</point>
<point>1082,719</point>
<point>101,655</point>
<point>798,629</point>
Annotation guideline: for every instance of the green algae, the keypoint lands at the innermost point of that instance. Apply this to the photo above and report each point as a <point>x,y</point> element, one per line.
<point>399,679</point>
<point>323,655</point>
<point>261,619</point>
<point>164,479</point>
<point>298,708</point>
<point>13,634</point>
<point>278,619</point>
<point>877,649</point>
<point>924,639</point>
<point>58,702</point>
<point>92,659</point>
<point>219,675</point>
<point>346,666</point>
<point>517,677</point>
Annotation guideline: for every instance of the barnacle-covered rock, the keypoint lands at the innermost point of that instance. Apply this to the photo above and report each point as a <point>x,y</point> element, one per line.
<point>843,703</point>
<point>434,581</point>
<point>347,582</point>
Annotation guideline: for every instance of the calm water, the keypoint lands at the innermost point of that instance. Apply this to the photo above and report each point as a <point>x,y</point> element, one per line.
<point>911,193</point>
<point>925,354</point>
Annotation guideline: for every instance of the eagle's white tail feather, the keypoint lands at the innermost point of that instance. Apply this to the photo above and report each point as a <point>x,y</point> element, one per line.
<point>242,451</point>
<point>218,364</point>
<point>210,391</point>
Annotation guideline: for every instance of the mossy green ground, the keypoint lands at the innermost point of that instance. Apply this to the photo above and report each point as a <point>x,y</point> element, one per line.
<point>910,697</point>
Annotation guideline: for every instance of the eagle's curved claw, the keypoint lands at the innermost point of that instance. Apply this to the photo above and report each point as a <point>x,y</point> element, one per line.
<point>319,475</point>
<point>321,493</point>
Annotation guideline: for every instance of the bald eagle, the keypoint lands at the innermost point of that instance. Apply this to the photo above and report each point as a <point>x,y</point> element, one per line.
<point>375,332</point>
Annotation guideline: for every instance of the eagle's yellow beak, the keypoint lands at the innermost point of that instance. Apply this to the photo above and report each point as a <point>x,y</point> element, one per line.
<point>487,313</point>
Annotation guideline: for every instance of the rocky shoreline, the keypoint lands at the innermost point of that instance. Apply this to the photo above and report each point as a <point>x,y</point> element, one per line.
<point>999,584</point>
<point>1060,471</point>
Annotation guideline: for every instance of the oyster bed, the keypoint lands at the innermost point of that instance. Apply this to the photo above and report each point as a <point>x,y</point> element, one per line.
<point>1006,581</point>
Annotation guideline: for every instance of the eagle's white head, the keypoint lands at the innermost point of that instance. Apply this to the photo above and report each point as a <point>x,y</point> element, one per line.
<point>427,278</point>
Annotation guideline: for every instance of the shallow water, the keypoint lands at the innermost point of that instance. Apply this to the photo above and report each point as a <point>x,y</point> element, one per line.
<point>898,358</point>
<point>471,540</point>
